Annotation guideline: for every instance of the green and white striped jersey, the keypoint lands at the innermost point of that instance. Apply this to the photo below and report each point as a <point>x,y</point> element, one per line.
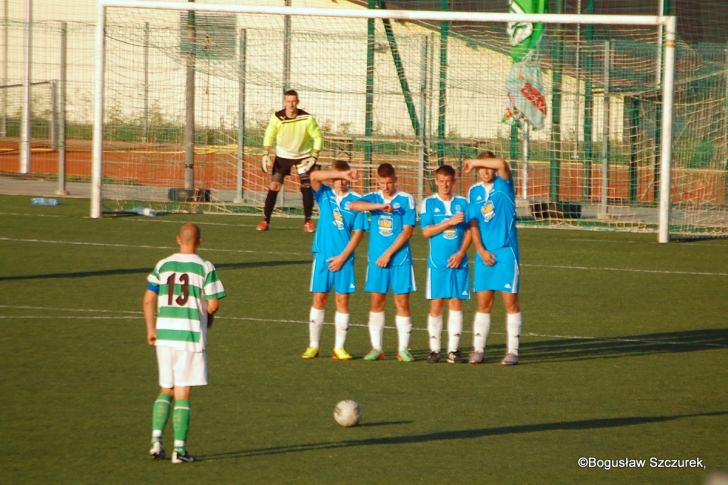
<point>184,283</point>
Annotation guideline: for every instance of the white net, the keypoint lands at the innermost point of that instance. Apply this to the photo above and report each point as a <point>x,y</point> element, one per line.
<point>448,83</point>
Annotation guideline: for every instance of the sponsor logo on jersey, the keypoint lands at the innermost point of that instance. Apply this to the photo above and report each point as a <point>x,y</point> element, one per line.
<point>450,233</point>
<point>488,211</point>
<point>338,220</point>
<point>386,225</point>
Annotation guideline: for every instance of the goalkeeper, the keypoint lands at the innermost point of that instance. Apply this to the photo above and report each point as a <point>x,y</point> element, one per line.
<point>292,139</point>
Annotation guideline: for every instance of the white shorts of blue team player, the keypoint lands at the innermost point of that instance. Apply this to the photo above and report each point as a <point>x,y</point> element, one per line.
<point>181,367</point>
<point>397,279</point>
<point>448,283</point>
<point>504,275</point>
<point>324,280</point>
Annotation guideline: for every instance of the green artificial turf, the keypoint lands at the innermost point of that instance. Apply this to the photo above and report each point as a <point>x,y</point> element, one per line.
<point>624,356</point>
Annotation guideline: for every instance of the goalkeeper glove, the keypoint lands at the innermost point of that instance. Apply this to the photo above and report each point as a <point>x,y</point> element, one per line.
<point>265,163</point>
<point>305,165</point>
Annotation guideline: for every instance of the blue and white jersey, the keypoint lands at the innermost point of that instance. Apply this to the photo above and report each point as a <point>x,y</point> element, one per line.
<point>336,222</point>
<point>434,210</point>
<point>385,227</point>
<point>495,211</point>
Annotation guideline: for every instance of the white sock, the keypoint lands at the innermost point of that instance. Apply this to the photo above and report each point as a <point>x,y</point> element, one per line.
<point>513,327</point>
<point>376,329</point>
<point>341,320</point>
<point>404,329</point>
<point>315,326</point>
<point>434,328</point>
<point>481,328</point>
<point>454,329</point>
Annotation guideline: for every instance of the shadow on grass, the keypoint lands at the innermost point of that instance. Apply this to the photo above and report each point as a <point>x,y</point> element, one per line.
<point>581,425</point>
<point>384,423</point>
<point>569,349</point>
<point>574,349</point>
<point>126,271</point>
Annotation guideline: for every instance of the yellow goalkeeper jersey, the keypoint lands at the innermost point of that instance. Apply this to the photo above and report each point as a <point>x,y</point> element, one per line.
<point>294,138</point>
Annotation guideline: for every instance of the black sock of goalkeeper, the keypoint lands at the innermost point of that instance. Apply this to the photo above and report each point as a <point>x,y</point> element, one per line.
<point>307,202</point>
<point>270,202</point>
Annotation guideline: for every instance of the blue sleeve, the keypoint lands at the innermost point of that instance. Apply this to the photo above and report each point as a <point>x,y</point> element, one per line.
<point>371,197</point>
<point>154,288</point>
<point>318,194</point>
<point>426,217</point>
<point>466,211</point>
<point>360,221</point>
<point>472,212</point>
<point>504,186</point>
<point>409,218</point>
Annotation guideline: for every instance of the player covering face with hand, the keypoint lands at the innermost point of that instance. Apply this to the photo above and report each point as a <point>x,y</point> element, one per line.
<point>339,232</point>
<point>492,219</point>
<point>442,218</point>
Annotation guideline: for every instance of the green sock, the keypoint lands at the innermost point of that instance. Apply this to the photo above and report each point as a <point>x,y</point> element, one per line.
<point>160,414</point>
<point>181,421</point>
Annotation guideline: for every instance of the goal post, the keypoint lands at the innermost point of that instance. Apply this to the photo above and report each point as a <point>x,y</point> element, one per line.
<point>662,206</point>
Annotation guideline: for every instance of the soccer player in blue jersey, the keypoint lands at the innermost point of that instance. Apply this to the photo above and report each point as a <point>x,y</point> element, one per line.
<point>492,217</point>
<point>393,219</point>
<point>442,218</point>
<point>339,232</point>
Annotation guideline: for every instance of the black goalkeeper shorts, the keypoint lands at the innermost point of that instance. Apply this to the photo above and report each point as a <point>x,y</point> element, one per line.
<point>282,168</point>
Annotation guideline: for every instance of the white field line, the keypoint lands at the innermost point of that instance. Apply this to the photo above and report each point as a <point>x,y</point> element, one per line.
<point>133,315</point>
<point>284,216</point>
<point>278,253</point>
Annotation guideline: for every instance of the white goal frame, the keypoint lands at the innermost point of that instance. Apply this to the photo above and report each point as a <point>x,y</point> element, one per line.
<point>668,23</point>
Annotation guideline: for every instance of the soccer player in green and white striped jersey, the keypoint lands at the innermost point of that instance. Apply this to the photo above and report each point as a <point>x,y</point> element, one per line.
<point>183,291</point>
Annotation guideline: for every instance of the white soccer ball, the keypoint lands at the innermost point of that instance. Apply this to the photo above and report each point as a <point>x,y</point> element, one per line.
<point>347,413</point>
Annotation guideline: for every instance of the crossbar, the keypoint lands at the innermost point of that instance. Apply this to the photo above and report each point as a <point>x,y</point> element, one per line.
<point>414,15</point>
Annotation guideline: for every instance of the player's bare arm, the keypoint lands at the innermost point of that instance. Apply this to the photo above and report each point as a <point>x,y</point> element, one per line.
<point>485,255</point>
<point>361,206</point>
<point>336,262</point>
<point>436,229</point>
<point>212,307</point>
<point>404,236</point>
<point>318,176</point>
<point>502,168</point>
<point>149,305</point>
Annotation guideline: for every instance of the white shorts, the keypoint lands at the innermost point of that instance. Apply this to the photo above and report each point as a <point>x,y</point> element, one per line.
<point>181,368</point>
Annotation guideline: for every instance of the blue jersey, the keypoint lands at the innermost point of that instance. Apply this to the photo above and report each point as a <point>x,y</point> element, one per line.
<point>495,211</point>
<point>336,222</point>
<point>443,245</point>
<point>386,226</point>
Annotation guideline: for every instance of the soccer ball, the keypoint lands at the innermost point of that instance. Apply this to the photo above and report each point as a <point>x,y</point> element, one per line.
<point>347,413</point>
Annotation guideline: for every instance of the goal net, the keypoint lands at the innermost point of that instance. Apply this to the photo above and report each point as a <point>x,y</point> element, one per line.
<point>188,90</point>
